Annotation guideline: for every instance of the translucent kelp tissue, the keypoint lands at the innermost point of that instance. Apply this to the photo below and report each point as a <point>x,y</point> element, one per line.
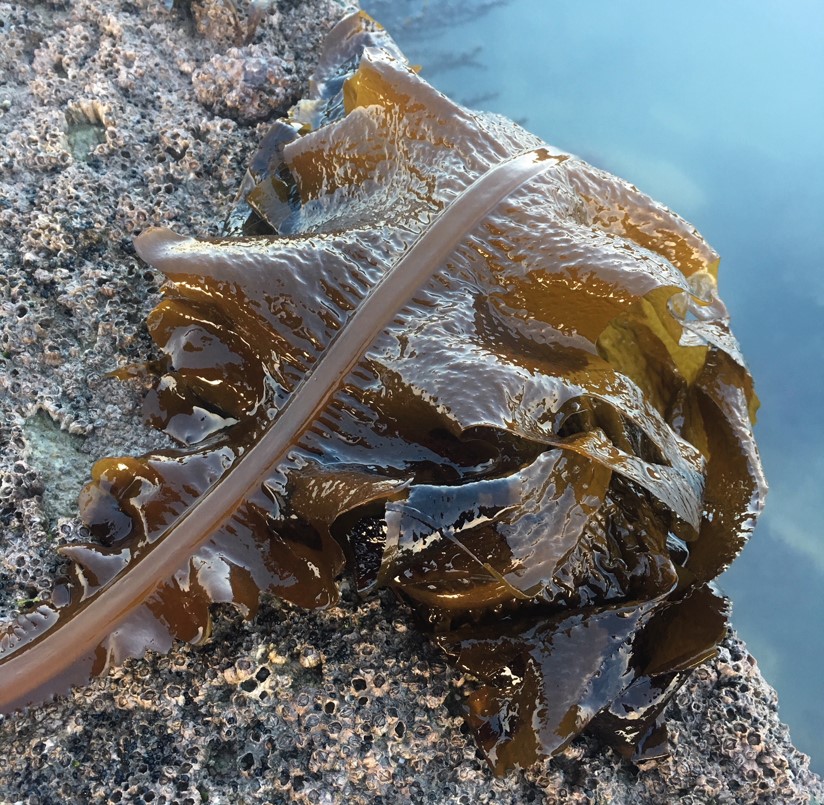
<point>441,356</point>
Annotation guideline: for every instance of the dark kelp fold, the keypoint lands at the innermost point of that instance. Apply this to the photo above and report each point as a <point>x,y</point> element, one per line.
<point>469,367</point>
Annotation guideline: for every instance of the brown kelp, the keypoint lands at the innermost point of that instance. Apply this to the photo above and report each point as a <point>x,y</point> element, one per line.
<point>460,364</point>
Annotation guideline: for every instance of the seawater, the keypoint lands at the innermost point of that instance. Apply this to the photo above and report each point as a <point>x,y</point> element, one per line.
<point>717,110</point>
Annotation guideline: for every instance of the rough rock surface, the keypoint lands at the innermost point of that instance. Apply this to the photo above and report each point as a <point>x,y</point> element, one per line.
<point>116,115</point>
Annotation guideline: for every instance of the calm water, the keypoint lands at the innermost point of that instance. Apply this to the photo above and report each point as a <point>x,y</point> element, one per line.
<point>716,109</point>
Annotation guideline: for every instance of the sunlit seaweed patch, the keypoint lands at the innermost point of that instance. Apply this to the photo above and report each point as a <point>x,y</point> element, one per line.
<point>442,356</point>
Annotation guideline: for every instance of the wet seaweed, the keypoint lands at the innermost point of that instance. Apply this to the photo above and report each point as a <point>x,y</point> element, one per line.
<point>436,353</point>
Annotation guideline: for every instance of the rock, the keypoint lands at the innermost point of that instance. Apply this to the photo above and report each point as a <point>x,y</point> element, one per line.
<point>245,85</point>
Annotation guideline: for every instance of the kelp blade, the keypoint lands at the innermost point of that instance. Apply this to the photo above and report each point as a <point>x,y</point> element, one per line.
<point>423,316</point>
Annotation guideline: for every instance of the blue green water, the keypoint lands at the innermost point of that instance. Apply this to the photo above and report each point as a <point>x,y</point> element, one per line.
<point>716,109</point>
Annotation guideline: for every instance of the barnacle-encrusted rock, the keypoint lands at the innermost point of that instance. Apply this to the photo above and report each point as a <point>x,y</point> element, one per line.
<point>245,84</point>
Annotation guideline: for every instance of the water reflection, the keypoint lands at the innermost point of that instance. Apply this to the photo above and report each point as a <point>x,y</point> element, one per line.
<point>716,110</point>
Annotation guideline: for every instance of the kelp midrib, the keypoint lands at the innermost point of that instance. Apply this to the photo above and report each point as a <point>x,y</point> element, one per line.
<point>34,670</point>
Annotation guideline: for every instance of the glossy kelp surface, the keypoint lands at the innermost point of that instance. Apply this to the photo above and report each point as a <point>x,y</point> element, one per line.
<point>463,365</point>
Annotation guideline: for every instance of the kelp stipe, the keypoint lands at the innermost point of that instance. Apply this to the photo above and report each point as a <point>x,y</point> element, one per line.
<point>515,365</point>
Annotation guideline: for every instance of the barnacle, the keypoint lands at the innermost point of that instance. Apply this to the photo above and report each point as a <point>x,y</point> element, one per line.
<point>466,366</point>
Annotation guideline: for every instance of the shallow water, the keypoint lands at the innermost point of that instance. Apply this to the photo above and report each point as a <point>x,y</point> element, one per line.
<point>716,109</point>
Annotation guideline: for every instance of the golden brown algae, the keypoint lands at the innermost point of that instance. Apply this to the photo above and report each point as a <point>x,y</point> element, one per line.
<point>461,364</point>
